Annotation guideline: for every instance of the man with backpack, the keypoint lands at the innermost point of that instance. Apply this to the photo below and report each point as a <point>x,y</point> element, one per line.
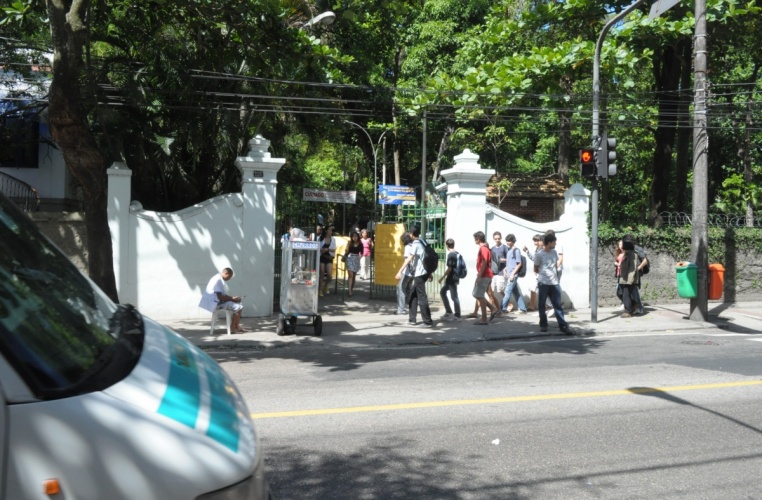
<point>417,289</point>
<point>454,271</point>
<point>515,267</point>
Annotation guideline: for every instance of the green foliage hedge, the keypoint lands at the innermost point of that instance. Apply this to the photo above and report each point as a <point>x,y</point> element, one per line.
<point>676,241</point>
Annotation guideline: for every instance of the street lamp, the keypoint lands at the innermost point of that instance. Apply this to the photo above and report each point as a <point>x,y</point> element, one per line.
<point>323,19</point>
<point>375,158</point>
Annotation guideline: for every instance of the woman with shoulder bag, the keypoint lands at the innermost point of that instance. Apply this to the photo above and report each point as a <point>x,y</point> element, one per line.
<point>327,253</point>
<point>352,259</point>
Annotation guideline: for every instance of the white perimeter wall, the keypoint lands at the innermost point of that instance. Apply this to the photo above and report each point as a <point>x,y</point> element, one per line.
<point>163,260</point>
<point>468,212</point>
<point>571,234</point>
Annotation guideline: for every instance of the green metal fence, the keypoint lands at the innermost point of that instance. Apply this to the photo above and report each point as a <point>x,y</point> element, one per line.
<point>431,219</point>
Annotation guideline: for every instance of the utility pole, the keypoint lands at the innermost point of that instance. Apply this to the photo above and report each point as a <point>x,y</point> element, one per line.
<point>699,231</point>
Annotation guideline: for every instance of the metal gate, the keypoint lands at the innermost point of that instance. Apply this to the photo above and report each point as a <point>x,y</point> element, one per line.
<point>431,220</point>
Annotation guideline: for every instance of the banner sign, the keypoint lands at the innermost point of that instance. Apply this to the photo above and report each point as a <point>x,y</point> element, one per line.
<point>329,196</point>
<point>396,195</point>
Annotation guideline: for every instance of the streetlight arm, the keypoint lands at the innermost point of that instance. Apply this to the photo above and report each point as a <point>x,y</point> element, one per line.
<point>361,128</point>
<point>374,149</point>
<point>597,61</point>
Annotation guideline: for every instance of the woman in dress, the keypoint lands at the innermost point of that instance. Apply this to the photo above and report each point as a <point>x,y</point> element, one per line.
<point>367,246</point>
<point>352,257</point>
<point>327,253</point>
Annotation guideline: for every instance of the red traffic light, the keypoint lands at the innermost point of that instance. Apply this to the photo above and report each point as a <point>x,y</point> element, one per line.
<point>587,162</point>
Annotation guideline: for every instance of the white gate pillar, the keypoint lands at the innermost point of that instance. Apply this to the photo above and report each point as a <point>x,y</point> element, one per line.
<point>118,211</point>
<point>466,209</point>
<point>259,183</point>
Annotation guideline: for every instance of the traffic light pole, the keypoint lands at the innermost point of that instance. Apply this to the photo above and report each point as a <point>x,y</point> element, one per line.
<point>596,135</point>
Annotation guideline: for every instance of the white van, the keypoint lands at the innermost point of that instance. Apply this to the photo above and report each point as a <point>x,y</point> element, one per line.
<point>98,402</point>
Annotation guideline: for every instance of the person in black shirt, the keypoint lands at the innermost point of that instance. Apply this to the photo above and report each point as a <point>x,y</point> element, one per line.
<point>451,281</point>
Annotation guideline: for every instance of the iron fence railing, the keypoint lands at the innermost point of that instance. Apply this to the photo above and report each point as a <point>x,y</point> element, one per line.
<point>19,192</point>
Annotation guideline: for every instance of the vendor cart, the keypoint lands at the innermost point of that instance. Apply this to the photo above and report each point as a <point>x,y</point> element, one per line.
<point>299,286</point>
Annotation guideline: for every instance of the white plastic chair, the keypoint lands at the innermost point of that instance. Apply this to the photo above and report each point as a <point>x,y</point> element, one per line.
<point>228,318</point>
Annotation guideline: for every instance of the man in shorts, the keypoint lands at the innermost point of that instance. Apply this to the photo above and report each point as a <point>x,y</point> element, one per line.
<point>499,258</point>
<point>214,297</point>
<point>483,278</point>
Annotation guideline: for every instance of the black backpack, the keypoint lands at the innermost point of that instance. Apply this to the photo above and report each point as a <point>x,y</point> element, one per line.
<point>643,255</point>
<point>460,269</point>
<point>523,268</point>
<point>430,258</point>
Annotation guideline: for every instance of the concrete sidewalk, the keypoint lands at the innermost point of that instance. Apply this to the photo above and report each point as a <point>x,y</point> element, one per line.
<point>357,322</point>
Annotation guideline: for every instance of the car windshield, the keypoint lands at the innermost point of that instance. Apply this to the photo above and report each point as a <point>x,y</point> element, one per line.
<point>59,331</point>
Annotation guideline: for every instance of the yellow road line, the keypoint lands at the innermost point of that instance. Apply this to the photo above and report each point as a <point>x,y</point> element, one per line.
<point>514,399</point>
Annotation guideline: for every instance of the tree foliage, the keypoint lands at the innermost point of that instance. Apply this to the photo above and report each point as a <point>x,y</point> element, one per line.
<point>176,88</point>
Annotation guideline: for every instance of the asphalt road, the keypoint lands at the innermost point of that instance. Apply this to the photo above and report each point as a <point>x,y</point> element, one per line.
<point>636,416</point>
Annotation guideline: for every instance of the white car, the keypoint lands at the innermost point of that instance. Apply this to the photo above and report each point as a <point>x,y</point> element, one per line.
<point>98,402</point>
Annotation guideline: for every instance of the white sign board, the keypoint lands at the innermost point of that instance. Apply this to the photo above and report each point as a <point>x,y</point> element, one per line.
<point>661,6</point>
<point>329,196</point>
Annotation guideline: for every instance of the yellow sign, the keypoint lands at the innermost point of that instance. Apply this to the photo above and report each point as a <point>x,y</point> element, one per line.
<point>340,266</point>
<point>388,252</point>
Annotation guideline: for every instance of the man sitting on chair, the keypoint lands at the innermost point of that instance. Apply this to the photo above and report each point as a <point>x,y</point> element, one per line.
<point>214,298</point>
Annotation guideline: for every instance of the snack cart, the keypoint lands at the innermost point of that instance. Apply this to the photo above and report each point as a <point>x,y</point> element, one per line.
<point>299,285</point>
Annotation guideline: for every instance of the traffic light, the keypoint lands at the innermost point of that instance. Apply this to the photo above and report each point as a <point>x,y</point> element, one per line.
<point>606,161</point>
<point>587,160</point>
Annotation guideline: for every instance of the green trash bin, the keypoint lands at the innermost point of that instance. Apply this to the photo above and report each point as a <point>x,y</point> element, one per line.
<point>687,280</point>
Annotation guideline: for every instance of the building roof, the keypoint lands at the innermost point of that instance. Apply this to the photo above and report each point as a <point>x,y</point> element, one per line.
<point>550,187</point>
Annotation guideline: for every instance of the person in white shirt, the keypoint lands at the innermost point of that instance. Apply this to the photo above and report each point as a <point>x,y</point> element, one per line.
<point>214,297</point>
<point>546,267</point>
<point>406,275</point>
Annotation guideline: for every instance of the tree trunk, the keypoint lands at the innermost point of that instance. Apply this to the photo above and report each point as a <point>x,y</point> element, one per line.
<point>68,125</point>
<point>748,172</point>
<point>685,130</point>
<point>667,73</point>
<point>564,146</point>
<point>443,145</point>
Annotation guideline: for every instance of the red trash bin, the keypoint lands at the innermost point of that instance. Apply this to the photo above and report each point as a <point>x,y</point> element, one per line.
<point>716,281</point>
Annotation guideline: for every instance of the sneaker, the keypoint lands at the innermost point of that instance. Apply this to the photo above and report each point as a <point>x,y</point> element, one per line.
<point>641,310</point>
<point>447,316</point>
<point>401,312</point>
<point>565,329</point>
<point>412,323</point>
<point>543,328</point>
<point>457,318</point>
<point>522,311</point>
<point>426,325</point>
<point>626,315</point>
